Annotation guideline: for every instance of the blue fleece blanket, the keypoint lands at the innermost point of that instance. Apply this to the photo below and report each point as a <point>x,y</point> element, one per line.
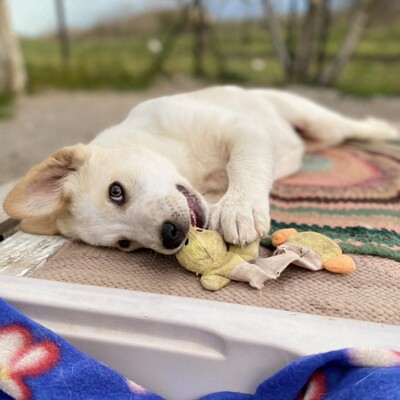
<point>37,364</point>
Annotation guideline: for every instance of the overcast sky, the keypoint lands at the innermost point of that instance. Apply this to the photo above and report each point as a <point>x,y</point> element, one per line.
<point>34,17</point>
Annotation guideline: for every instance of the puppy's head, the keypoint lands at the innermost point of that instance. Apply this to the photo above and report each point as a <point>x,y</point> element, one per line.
<point>125,198</point>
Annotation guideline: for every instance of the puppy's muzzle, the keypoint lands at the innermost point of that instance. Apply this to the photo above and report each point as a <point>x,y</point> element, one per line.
<point>173,234</point>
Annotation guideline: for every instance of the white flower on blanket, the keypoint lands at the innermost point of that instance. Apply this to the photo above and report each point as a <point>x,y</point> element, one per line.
<point>372,357</point>
<point>21,357</point>
<point>135,388</point>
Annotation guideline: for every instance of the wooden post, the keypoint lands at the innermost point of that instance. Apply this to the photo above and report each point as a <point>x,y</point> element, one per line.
<point>12,71</point>
<point>62,32</point>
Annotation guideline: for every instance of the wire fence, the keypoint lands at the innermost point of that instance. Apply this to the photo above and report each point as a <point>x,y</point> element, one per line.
<point>89,44</point>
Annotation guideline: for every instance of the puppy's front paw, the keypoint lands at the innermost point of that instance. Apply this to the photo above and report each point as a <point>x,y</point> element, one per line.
<point>240,221</point>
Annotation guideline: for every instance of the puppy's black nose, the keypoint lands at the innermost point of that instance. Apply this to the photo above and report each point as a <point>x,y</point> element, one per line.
<point>172,235</point>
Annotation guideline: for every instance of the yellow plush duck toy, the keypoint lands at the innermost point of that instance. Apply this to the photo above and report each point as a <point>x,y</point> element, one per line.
<point>329,252</point>
<point>205,253</point>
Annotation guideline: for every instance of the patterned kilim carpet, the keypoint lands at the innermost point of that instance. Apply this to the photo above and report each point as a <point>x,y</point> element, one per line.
<point>350,193</point>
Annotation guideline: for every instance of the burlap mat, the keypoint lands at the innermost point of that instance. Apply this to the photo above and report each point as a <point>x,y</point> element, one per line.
<point>371,293</point>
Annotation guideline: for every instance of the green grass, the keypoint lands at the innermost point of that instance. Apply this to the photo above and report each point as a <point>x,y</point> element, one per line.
<point>370,78</point>
<point>123,62</point>
<point>6,106</point>
<point>94,64</point>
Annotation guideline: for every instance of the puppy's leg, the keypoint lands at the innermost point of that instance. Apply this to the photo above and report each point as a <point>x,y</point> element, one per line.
<point>322,124</point>
<point>242,214</point>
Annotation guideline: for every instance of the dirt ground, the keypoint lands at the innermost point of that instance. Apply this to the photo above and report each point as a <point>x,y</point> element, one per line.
<point>47,121</point>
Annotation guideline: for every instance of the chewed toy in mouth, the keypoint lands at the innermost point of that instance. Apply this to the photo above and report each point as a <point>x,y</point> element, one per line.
<point>197,215</point>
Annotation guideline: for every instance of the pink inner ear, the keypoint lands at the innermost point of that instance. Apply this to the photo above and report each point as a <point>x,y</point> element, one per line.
<point>43,196</point>
<point>39,193</point>
<point>49,183</point>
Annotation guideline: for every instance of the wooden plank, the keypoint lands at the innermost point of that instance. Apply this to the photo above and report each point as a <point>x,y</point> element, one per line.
<point>22,252</point>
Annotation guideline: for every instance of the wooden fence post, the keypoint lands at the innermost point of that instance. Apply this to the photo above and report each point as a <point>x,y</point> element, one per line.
<point>62,32</point>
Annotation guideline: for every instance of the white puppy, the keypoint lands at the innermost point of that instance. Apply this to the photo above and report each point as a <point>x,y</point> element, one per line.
<point>142,183</point>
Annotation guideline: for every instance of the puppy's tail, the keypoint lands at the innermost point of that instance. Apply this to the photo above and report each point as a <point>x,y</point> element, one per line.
<point>329,127</point>
<point>372,129</point>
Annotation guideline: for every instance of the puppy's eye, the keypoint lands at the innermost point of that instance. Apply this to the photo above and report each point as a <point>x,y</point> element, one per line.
<point>124,243</point>
<point>116,193</point>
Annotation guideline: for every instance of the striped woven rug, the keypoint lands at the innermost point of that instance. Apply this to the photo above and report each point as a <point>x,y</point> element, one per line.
<point>350,193</point>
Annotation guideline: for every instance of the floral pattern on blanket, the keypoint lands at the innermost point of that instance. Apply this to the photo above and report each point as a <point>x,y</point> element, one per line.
<point>37,364</point>
<point>20,357</point>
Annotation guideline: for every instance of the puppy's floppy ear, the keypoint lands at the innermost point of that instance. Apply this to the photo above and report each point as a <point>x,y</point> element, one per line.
<point>39,193</point>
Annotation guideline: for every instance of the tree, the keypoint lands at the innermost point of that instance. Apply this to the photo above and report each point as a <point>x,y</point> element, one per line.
<point>306,62</point>
<point>354,33</point>
<point>277,37</point>
<point>12,71</point>
<point>312,40</point>
<point>192,17</point>
<point>200,25</point>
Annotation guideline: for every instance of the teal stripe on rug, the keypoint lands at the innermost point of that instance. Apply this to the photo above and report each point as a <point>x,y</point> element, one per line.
<point>370,238</point>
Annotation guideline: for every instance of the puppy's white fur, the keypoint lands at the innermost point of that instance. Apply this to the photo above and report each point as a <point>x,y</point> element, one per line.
<point>223,144</point>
